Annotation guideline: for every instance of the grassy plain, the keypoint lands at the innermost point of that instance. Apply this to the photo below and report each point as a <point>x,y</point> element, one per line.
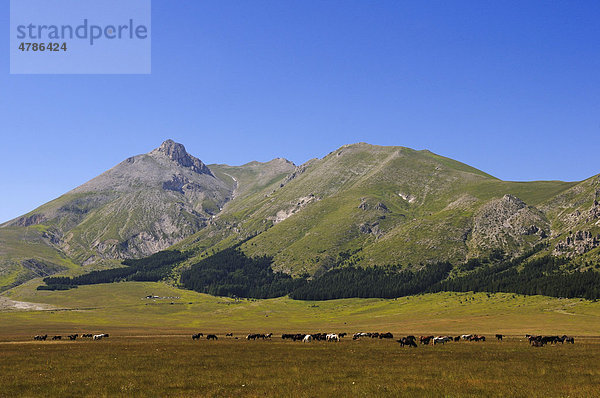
<point>177,366</point>
<point>150,352</point>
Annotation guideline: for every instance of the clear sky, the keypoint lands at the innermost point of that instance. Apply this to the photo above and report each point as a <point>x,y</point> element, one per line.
<point>509,87</point>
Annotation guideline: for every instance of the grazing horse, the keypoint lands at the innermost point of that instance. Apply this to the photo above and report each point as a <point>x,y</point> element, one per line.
<point>98,336</point>
<point>196,336</point>
<point>211,337</point>
<point>73,336</point>
<point>407,341</point>
<point>499,337</point>
<point>229,335</point>
<point>477,338</point>
<point>441,339</point>
<point>567,339</point>
<point>332,337</point>
<point>363,334</point>
<point>549,339</point>
<point>466,336</point>
<point>254,336</point>
<point>425,339</point>
<point>56,337</point>
<point>307,339</point>
<point>40,337</point>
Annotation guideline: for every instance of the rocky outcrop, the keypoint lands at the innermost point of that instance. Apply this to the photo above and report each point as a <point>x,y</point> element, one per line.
<point>502,223</point>
<point>26,221</point>
<point>299,205</point>
<point>41,269</point>
<point>577,243</point>
<point>370,228</point>
<point>594,212</point>
<point>177,153</point>
<point>181,184</point>
<point>297,172</point>
<point>379,206</point>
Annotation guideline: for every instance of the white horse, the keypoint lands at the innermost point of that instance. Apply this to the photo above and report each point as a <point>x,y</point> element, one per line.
<point>307,339</point>
<point>466,336</point>
<point>441,339</point>
<point>332,337</point>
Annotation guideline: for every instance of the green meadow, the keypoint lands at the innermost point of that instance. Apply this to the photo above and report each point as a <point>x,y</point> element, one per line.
<point>124,306</point>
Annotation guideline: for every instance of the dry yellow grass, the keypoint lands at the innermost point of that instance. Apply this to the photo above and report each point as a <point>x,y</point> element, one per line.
<point>178,366</point>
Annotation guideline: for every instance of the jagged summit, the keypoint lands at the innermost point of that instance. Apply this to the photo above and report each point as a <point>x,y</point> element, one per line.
<point>177,153</point>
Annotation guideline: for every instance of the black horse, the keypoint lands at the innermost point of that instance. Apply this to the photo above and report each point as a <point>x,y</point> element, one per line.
<point>211,337</point>
<point>408,341</point>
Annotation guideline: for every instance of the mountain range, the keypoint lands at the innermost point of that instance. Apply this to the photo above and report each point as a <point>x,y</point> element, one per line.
<point>361,205</point>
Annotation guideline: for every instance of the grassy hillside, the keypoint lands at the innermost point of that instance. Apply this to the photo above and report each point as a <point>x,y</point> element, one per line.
<point>26,254</point>
<point>383,205</point>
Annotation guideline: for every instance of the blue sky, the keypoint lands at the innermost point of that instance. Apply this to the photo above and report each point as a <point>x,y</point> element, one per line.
<point>509,87</point>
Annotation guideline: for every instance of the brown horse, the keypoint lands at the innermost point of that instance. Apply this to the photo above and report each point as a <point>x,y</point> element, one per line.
<point>425,339</point>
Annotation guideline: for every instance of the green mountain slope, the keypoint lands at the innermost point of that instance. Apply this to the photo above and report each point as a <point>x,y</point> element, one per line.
<point>373,205</point>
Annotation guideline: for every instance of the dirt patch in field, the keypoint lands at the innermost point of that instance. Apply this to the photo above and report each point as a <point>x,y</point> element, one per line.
<point>7,304</point>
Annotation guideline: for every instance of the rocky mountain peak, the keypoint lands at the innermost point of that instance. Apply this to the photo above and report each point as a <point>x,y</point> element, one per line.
<point>514,201</point>
<point>177,153</point>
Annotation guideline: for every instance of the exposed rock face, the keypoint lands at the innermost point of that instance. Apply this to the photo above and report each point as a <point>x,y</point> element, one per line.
<point>39,268</point>
<point>576,244</point>
<point>382,207</point>
<point>299,205</point>
<point>379,206</point>
<point>31,220</point>
<point>177,153</point>
<point>407,197</point>
<point>500,223</point>
<point>298,171</point>
<point>370,228</point>
<point>363,204</point>
<point>594,211</point>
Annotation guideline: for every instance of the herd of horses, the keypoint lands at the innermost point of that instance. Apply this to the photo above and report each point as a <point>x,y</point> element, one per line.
<point>407,341</point>
<point>72,336</point>
<point>540,341</point>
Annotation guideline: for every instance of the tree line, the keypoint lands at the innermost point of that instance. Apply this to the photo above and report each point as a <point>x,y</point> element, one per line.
<point>231,273</point>
<point>546,276</point>
<point>371,282</point>
<point>149,269</point>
